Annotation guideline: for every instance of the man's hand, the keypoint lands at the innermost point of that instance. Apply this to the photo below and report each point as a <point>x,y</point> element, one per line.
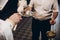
<point>16,18</point>
<point>52,21</point>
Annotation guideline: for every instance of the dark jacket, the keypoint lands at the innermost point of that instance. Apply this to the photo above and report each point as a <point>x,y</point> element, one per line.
<point>9,9</point>
<point>28,1</point>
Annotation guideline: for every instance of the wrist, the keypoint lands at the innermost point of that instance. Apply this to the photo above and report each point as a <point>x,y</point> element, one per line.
<point>11,21</point>
<point>52,19</point>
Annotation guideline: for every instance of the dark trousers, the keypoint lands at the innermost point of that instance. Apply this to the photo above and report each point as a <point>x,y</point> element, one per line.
<point>38,26</point>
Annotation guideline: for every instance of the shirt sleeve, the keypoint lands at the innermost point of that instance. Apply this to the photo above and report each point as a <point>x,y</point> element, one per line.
<point>10,23</point>
<point>5,24</point>
<point>55,6</point>
<point>31,3</point>
<point>5,30</point>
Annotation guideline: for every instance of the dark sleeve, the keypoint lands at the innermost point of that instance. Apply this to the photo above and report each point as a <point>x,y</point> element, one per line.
<point>28,1</point>
<point>9,9</point>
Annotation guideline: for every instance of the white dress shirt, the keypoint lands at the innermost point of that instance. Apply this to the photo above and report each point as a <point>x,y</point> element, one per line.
<point>43,7</point>
<point>6,29</point>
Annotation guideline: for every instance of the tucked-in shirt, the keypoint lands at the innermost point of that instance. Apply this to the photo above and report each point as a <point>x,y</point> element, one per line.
<point>44,8</point>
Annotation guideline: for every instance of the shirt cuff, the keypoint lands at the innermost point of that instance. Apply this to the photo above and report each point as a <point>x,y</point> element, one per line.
<point>11,22</point>
<point>55,10</point>
<point>13,25</point>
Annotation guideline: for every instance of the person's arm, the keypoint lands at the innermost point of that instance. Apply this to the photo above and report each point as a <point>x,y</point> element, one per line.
<point>55,12</point>
<point>55,9</point>
<point>14,19</point>
<point>7,25</point>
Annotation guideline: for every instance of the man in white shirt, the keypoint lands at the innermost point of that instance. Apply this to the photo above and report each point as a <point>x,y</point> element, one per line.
<point>6,26</point>
<point>44,16</point>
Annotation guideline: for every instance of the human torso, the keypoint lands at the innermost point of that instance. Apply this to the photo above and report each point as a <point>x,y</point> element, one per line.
<point>43,7</point>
